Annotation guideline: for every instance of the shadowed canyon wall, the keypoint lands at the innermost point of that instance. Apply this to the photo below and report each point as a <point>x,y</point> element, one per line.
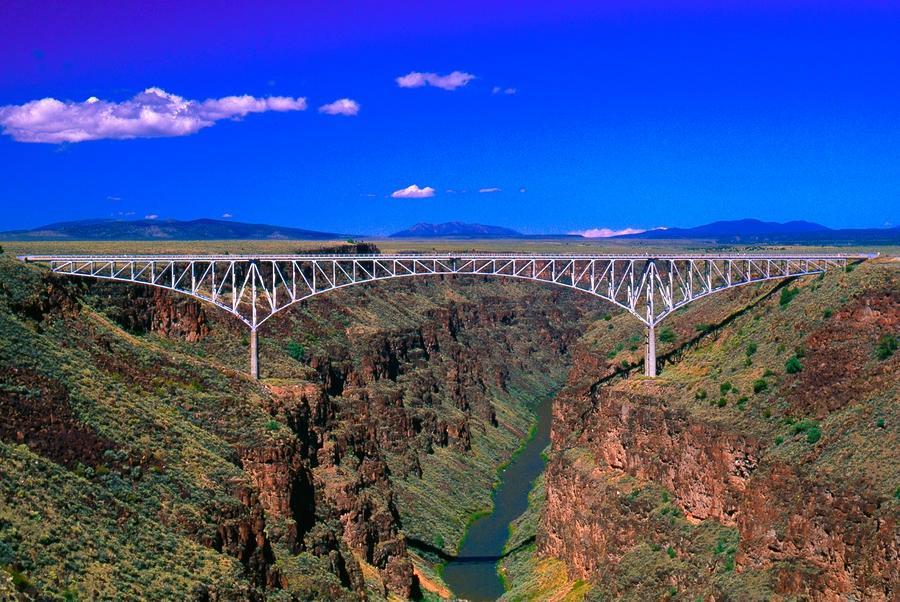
<point>730,477</point>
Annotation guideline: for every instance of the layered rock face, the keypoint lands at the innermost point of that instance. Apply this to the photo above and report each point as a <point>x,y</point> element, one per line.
<point>795,469</point>
<point>390,398</point>
<point>296,480</point>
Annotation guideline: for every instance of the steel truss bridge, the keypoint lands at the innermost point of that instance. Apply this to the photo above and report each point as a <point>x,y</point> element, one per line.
<point>256,287</point>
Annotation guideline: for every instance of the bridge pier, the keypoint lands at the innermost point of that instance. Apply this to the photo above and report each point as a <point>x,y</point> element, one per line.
<point>650,352</point>
<point>254,354</point>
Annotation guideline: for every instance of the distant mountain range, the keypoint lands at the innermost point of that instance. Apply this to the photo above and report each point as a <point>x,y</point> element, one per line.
<point>456,230</point>
<point>744,231</point>
<point>164,229</point>
<point>756,231</point>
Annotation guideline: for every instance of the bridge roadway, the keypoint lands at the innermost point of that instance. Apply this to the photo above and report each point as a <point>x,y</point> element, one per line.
<point>254,288</point>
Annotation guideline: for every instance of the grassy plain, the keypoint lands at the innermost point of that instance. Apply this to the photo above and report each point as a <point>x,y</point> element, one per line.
<point>392,245</point>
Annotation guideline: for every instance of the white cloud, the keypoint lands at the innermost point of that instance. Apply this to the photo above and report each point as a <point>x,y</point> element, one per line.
<point>491,189</point>
<point>607,232</point>
<point>114,199</point>
<point>499,90</point>
<point>151,114</point>
<point>342,106</point>
<point>151,216</point>
<point>413,192</point>
<point>521,190</point>
<point>451,81</point>
<point>227,215</point>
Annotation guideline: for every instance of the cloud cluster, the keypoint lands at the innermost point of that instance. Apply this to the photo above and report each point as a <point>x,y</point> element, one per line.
<point>150,114</point>
<point>451,81</point>
<point>499,90</point>
<point>490,189</point>
<point>413,192</point>
<point>342,106</point>
<point>607,232</point>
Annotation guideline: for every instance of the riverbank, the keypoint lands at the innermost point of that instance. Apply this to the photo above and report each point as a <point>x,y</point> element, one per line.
<point>473,575</point>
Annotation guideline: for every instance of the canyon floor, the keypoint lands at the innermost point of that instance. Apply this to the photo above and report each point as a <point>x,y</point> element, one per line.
<point>138,460</point>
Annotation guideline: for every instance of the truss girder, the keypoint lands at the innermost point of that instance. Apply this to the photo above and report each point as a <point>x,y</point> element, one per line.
<point>256,288</point>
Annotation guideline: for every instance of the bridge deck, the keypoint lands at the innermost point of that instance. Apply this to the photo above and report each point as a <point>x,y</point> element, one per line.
<point>429,256</point>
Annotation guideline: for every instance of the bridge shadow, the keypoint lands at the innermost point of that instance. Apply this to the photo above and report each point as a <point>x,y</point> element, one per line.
<point>424,546</point>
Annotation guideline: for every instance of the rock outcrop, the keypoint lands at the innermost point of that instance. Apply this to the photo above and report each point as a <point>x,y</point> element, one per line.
<point>805,529</point>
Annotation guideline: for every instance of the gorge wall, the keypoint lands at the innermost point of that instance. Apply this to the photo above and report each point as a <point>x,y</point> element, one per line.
<point>731,477</point>
<point>160,468</point>
<point>308,485</point>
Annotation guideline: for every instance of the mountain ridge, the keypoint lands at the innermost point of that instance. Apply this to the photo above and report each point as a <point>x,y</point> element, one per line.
<point>753,230</point>
<point>455,230</point>
<point>164,229</point>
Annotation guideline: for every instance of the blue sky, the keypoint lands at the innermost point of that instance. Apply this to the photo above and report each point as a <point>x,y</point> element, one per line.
<point>601,115</point>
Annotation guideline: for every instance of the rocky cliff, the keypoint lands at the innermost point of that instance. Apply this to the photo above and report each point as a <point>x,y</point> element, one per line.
<point>308,484</point>
<point>733,476</point>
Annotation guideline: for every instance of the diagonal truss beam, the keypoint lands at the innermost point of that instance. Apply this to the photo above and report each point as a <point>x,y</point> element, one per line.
<point>255,288</point>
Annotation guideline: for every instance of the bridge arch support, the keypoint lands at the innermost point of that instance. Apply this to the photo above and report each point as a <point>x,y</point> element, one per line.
<point>256,288</point>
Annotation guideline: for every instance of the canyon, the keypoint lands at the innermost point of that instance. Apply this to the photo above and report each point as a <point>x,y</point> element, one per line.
<point>138,459</point>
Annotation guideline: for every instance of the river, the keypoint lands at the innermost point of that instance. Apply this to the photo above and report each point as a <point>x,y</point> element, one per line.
<point>473,574</point>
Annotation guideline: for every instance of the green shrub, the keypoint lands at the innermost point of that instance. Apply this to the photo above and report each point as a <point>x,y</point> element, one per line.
<point>633,342</point>
<point>880,423</point>
<point>703,328</point>
<point>827,313</point>
<point>725,387</point>
<point>296,351</point>
<point>615,350</point>
<point>607,317</point>
<point>810,428</point>
<point>897,493</point>
<point>779,440</point>
<point>850,267</point>
<point>272,425</point>
<point>759,385</point>
<point>19,579</point>
<point>793,365</point>
<point>671,552</point>
<point>667,335</point>
<point>722,402</point>
<point>624,365</point>
<point>700,395</point>
<point>768,373</point>
<point>767,413</point>
<point>751,348</point>
<point>813,434</point>
<point>887,345</point>
<point>787,295</point>
<point>1,249</point>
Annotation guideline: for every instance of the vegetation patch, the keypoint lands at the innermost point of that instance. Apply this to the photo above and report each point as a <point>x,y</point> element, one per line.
<point>886,346</point>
